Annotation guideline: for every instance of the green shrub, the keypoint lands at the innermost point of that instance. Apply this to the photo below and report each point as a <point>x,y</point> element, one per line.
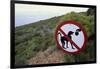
<point>68,58</point>
<point>80,57</point>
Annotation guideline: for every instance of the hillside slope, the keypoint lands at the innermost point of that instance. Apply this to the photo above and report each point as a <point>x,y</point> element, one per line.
<point>34,39</point>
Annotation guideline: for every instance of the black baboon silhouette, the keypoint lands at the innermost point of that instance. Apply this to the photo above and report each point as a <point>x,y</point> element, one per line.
<point>63,39</point>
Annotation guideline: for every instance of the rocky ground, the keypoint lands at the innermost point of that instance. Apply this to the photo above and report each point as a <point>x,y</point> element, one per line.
<point>48,56</point>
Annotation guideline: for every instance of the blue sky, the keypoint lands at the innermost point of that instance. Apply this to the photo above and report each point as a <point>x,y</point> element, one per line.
<point>25,13</point>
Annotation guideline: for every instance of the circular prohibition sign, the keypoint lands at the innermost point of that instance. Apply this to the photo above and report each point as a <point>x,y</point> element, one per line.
<point>70,37</point>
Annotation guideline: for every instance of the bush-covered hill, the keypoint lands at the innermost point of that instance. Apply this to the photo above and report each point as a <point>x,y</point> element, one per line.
<point>39,36</point>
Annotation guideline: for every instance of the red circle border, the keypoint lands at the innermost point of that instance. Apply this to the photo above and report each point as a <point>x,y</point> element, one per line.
<point>77,24</point>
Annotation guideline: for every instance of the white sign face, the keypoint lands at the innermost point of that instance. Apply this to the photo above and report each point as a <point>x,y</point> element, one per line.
<point>70,37</point>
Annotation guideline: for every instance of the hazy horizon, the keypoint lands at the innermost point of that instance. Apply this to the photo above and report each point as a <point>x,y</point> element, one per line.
<point>26,14</point>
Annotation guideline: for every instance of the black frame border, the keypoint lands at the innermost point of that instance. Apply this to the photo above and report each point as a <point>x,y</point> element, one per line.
<point>12,32</point>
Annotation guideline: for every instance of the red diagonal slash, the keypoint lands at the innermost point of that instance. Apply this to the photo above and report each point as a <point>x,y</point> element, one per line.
<point>69,39</point>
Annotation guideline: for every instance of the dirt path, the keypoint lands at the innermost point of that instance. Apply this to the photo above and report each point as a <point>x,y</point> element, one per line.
<point>47,57</point>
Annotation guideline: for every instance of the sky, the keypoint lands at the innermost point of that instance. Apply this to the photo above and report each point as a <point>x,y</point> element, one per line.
<point>28,13</point>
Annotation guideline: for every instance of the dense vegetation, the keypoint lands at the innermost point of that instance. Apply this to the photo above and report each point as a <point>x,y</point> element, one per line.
<point>38,36</point>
